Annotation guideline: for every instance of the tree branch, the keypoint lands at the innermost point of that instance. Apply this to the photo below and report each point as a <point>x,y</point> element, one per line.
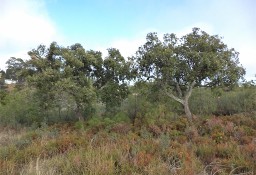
<point>190,88</point>
<point>178,89</point>
<point>173,96</point>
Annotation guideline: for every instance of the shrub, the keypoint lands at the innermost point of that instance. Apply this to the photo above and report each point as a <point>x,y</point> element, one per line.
<point>79,125</point>
<point>180,124</point>
<point>225,151</point>
<point>191,133</point>
<point>121,128</point>
<point>20,108</point>
<point>202,101</point>
<point>206,153</point>
<point>237,101</point>
<point>174,134</point>
<point>154,129</point>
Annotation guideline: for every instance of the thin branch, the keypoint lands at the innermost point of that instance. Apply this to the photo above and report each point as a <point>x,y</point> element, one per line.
<point>178,89</point>
<point>190,88</point>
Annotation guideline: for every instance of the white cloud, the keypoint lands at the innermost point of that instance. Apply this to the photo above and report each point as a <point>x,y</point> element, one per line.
<point>24,25</point>
<point>126,45</point>
<point>245,44</point>
<point>129,46</point>
<point>248,60</point>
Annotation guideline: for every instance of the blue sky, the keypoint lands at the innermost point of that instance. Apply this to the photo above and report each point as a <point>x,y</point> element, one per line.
<point>123,24</point>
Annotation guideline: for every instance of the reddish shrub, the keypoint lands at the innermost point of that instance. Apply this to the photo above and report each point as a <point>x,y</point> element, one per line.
<point>154,129</point>
<point>191,133</point>
<point>214,122</point>
<point>121,128</point>
<point>245,140</point>
<point>229,127</point>
<point>142,159</point>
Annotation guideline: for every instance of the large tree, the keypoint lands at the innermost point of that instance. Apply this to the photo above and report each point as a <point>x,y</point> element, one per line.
<point>77,72</point>
<point>180,64</point>
<point>60,71</point>
<point>45,65</point>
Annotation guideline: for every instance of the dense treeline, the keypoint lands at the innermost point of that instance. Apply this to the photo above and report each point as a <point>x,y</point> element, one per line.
<point>70,83</point>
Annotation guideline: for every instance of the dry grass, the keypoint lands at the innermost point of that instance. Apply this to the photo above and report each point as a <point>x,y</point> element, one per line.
<point>63,149</point>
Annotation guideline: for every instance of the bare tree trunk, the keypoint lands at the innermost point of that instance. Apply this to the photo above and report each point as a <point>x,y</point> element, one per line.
<point>185,104</point>
<point>187,110</point>
<point>183,100</point>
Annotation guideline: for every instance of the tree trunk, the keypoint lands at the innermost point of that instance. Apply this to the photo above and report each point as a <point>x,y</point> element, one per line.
<point>187,110</point>
<point>183,100</point>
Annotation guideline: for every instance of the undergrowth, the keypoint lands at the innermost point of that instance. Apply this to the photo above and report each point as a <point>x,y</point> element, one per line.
<point>214,145</point>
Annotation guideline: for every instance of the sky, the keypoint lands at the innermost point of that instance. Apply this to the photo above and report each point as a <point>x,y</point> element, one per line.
<point>124,24</point>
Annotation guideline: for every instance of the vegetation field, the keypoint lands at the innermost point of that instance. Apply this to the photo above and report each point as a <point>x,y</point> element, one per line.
<point>214,145</point>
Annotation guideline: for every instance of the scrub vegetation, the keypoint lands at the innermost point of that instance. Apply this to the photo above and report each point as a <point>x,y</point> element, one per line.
<point>178,106</point>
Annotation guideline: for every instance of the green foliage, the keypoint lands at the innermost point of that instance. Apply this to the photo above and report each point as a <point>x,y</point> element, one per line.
<point>79,125</point>
<point>20,108</point>
<point>3,94</point>
<point>203,102</point>
<point>2,78</point>
<point>179,64</point>
<point>206,102</point>
<point>112,95</point>
<point>61,74</point>
<point>94,122</point>
<point>14,69</point>
<point>206,153</point>
<point>106,123</point>
<point>147,105</point>
<point>114,88</point>
<point>121,117</point>
<point>67,80</point>
<point>240,100</point>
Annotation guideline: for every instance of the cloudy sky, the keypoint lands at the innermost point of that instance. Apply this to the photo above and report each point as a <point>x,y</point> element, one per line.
<point>123,24</point>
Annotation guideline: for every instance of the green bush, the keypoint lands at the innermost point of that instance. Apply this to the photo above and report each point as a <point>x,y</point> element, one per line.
<point>237,101</point>
<point>206,153</point>
<point>20,108</point>
<point>202,101</point>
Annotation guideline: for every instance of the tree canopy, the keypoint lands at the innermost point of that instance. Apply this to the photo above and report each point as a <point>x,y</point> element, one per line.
<point>180,64</point>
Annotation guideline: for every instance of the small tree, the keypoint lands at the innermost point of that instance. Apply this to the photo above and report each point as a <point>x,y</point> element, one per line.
<point>114,87</point>
<point>180,64</point>
<point>2,78</point>
<point>14,69</point>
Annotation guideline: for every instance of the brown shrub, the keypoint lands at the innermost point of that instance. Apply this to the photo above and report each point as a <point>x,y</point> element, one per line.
<point>121,128</point>
<point>191,133</point>
<point>154,129</point>
<point>214,122</point>
<point>245,140</point>
<point>229,127</point>
<point>142,159</point>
